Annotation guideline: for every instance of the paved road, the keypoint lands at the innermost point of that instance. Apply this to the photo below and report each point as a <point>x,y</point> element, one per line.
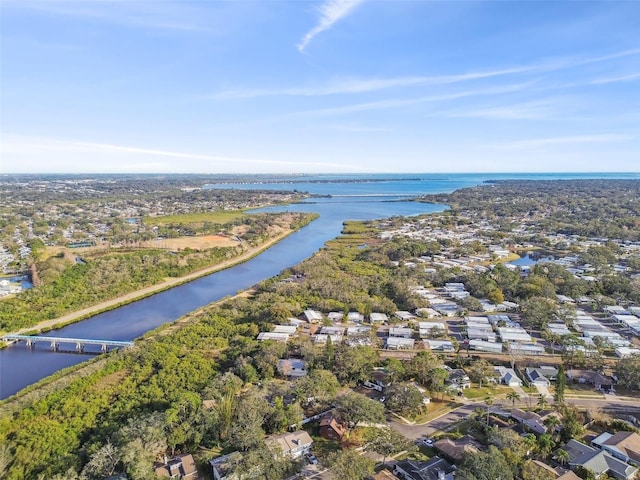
<point>611,405</point>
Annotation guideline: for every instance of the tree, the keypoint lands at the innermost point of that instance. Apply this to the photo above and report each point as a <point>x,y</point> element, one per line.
<point>542,401</point>
<point>246,429</point>
<point>562,456</point>
<point>320,385</point>
<point>103,463</point>
<point>355,364</point>
<point>545,444</point>
<point>479,371</point>
<point>6,457</point>
<point>513,396</point>
<point>561,384</point>
<point>354,408</point>
<point>490,465</point>
<point>488,401</point>
<point>386,442</point>
<point>538,311</point>
<point>350,464</point>
<point>404,399</point>
<point>628,372</point>
<point>395,369</point>
<point>422,366</point>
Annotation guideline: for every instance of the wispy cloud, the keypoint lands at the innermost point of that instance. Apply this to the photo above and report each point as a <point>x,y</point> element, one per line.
<point>536,110</point>
<point>17,146</point>
<point>621,78</point>
<point>568,140</point>
<point>154,15</point>
<point>408,102</point>
<point>331,11</point>
<point>365,85</point>
<point>342,86</point>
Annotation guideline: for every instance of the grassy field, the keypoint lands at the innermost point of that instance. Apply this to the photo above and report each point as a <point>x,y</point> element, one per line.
<point>194,218</point>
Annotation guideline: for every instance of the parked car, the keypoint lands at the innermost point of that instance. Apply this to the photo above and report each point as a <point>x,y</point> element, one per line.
<point>312,459</point>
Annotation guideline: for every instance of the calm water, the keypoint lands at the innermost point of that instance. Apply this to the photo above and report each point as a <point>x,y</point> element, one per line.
<point>20,367</point>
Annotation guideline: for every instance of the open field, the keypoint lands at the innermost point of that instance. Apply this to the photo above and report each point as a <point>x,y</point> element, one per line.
<point>194,242</point>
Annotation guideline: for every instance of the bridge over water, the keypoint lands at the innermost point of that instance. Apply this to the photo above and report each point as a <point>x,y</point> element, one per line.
<point>80,343</point>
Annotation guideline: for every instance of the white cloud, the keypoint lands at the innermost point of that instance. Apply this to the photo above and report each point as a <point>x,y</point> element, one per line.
<point>364,85</point>
<point>621,78</point>
<point>568,140</point>
<point>330,12</point>
<point>407,102</point>
<point>74,156</point>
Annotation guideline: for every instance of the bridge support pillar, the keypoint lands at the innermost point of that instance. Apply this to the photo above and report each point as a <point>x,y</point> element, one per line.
<point>54,345</point>
<point>79,347</point>
<point>29,344</point>
<point>104,348</point>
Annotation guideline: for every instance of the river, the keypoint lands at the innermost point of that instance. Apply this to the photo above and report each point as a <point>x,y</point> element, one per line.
<point>20,367</point>
<point>378,196</point>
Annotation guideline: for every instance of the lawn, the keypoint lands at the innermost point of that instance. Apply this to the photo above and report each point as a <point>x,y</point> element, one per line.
<point>434,410</point>
<point>476,393</point>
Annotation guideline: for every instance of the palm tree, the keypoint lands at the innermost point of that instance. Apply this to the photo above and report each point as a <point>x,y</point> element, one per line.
<point>514,397</point>
<point>545,444</point>
<point>562,456</point>
<point>542,401</point>
<point>488,402</point>
<point>551,422</point>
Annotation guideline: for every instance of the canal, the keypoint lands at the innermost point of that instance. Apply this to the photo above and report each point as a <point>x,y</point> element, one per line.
<point>21,367</point>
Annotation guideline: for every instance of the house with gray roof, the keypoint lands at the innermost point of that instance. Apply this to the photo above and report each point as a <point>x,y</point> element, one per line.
<point>598,461</point>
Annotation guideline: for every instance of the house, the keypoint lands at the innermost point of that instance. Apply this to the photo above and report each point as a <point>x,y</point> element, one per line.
<point>291,444</point>
<point>508,376</point>
<point>597,379</point>
<point>441,345</point>
<point>485,346</point>
<point>526,348</point>
<point>277,336</point>
<point>541,375</point>
<point>312,316</point>
<point>435,469</point>
<point>531,419</point>
<point>292,368</point>
<point>378,317</point>
<point>457,449</point>
<point>401,332</point>
<point>384,475</point>
<point>598,461</point>
<point>428,329</point>
<point>331,428</point>
<point>624,446</point>
<point>180,467</point>
<point>399,343</point>
<point>458,379</point>
<point>223,467</point>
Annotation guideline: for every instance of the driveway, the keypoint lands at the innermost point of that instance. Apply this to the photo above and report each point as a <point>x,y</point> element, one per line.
<point>543,391</point>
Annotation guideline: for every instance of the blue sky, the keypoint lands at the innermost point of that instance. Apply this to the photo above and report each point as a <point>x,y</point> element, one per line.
<point>319,86</point>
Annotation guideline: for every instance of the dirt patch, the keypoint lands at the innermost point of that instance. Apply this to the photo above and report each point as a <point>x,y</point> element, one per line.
<point>203,242</point>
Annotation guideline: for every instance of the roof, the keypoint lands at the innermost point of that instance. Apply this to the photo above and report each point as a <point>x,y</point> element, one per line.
<point>424,470</point>
<point>596,460</point>
<point>329,421</point>
<point>182,465</point>
<point>457,449</point>
<point>290,441</point>
<point>627,443</point>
